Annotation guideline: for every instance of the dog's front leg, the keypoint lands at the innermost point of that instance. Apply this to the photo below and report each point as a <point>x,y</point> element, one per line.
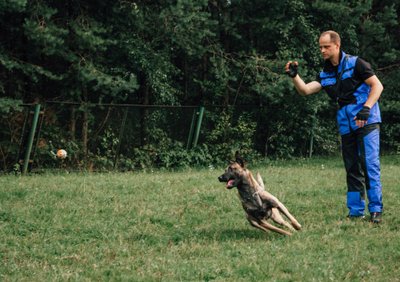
<point>277,217</point>
<point>265,226</point>
<point>293,221</point>
<point>268,197</point>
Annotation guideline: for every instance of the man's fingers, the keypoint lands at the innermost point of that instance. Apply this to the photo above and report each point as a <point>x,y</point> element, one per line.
<point>287,65</point>
<point>361,123</point>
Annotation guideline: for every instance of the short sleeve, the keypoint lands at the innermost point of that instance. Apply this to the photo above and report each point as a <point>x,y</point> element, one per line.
<point>318,78</point>
<point>363,70</point>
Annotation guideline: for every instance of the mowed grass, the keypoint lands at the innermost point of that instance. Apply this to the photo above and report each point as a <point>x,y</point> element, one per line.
<point>185,226</point>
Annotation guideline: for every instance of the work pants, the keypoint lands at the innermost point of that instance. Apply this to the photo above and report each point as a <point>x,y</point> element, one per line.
<point>360,150</point>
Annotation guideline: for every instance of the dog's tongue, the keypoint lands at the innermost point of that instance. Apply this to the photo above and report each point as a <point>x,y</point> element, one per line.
<point>229,183</point>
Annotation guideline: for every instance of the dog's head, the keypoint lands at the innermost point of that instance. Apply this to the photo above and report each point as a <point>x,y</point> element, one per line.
<point>233,174</point>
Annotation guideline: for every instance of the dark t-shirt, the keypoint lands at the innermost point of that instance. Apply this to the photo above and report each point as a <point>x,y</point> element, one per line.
<point>343,92</point>
<point>362,70</point>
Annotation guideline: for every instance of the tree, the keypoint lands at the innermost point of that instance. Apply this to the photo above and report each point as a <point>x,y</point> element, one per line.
<point>186,52</point>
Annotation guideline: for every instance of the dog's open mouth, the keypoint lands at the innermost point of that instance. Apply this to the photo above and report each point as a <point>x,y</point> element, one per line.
<point>230,183</point>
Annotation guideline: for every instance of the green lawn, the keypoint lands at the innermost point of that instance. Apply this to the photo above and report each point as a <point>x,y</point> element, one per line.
<point>185,226</point>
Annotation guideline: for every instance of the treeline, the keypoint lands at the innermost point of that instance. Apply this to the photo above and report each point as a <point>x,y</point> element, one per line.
<point>193,52</point>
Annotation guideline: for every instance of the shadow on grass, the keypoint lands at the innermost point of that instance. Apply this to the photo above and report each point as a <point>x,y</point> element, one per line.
<point>205,235</point>
<point>235,235</point>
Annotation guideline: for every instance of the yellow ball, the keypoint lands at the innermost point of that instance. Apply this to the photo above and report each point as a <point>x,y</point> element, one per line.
<point>61,154</point>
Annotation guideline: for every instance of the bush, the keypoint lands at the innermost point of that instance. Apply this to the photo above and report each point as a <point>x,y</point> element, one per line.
<point>229,136</point>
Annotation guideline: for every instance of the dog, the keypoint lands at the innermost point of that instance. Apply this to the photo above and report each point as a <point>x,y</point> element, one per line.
<point>258,204</point>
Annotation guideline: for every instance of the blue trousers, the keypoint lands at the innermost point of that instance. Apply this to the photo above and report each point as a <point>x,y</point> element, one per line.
<point>360,150</point>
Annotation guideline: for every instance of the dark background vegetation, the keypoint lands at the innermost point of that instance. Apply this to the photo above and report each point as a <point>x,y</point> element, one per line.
<point>71,56</point>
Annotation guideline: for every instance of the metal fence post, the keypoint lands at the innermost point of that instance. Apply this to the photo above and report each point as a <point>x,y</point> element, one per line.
<point>198,126</point>
<point>31,138</point>
<point>121,135</point>
<point>190,137</point>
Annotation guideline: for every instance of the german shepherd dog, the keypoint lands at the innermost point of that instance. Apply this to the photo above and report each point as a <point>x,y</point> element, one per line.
<point>258,204</point>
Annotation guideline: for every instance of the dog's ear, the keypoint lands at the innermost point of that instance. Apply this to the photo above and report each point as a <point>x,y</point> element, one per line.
<point>241,162</point>
<point>239,159</point>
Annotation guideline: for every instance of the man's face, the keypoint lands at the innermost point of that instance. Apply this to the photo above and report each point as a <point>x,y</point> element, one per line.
<point>327,47</point>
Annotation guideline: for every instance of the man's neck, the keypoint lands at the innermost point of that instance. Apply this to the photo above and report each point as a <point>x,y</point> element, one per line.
<point>335,60</point>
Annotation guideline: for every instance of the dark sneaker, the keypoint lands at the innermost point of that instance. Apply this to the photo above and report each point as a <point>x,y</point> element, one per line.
<point>355,217</point>
<point>376,217</point>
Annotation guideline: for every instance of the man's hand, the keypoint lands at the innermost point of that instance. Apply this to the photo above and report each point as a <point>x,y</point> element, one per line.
<point>362,116</point>
<point>302,88</point>
<point>291,69</point>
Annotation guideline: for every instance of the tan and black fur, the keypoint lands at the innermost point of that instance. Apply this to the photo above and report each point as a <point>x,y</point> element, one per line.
<point>258,204</point>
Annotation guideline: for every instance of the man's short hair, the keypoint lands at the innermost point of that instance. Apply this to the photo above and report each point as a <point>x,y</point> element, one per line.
<point>335,37</point>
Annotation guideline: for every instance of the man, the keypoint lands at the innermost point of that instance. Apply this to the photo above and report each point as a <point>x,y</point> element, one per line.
<point>351,82</point>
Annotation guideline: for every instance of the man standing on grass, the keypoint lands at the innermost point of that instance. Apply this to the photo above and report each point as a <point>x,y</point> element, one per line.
<point>351,82</point>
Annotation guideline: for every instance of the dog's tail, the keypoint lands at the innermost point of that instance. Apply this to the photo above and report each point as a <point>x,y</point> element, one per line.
<point>260,181</point>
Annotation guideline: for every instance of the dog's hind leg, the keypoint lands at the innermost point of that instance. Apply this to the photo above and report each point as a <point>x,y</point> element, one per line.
<point>265,226</point>
<point>274,228</point>
<point>260,181</point>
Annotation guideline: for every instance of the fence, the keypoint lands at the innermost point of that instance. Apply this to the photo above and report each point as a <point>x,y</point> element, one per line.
<point>125,136</point>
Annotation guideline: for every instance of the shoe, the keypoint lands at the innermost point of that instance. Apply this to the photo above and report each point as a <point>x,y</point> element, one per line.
<point>356,217</point>
<point>376,217</point>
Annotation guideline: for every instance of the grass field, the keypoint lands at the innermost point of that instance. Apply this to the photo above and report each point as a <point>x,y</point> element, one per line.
<point>185,226</point>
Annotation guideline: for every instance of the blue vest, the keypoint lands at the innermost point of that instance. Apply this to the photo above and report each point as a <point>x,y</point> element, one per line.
<point>350,93</point>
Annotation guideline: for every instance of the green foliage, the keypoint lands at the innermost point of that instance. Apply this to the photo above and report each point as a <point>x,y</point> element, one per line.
<point>13,6</point>
<point>187,24</point>
<point>390,104</point>
<point>208,53</point>
<point>230,136</point>
<point>171,155</point>
<point>45,37</point>
<point>10,116</point>
<point>8,105</point>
